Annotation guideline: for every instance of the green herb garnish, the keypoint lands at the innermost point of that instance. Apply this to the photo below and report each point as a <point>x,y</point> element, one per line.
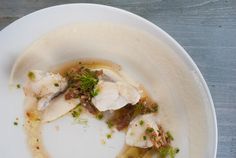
<point>176,150</point>
<point>88,81</point>
<point>108,136</point>
<point>110,124</point>
<point>149,130</point>
<point>164,151</point>
<point>76,111</point>
<point>56,84</point>
<point>18,86</point>
<point>167,151</point>
<point>144,138</point>
<point>99,116</point>
<point>169,135</point>
<point>173,152</point>
<point>138,109</point>
<point>94,92</point>
<point>141,122</point>
<point>15,123</point>
<point>31,75</point>
<point>81,83</point>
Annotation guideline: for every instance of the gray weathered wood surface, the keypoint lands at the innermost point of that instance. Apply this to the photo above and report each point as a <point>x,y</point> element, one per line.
<point>205,28</point>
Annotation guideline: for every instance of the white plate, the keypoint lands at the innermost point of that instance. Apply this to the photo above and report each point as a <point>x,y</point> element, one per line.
<point>145,52</point>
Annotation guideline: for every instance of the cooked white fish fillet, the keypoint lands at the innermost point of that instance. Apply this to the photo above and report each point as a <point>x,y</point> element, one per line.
<point>107,95</point>
<point>115,76</point>
<point>114,95</point>
<point>45,86</point>
<point>136,135</point>
<point>110,75</point>
<point>128,92</point>
<point>58,107</point>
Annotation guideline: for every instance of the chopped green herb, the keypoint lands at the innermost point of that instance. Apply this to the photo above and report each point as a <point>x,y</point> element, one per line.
<point>173,152</point>
<point>168,150</point>
<point>88,81</point>
<point>99,116</point>
<point>56,84</point>
<point>144,108</point>
<point>18,86</point>
<point>75,114</point>
<point>164,151</point>
<point>31,75</point>
<point>76,111</point>
<point>110,124</point>
<point>138,109</point>
<point>177,150</point>
<point>82,80</point>
<point>15,123</point>
<point>149,130</point>
<point>95,92</point>
<point>169,135</point>
<point>153,137</point>
<point>144,138</point>
<point>108,136</point>
<point>141,122</point>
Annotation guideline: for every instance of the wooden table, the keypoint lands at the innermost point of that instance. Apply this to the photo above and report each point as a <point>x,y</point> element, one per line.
<point>205,28</point>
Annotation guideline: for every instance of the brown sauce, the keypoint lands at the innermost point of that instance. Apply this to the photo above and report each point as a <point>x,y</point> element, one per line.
<point>120,118</point>
<point>89,63</point>
<point>33,131</point>
<point>134,152</point>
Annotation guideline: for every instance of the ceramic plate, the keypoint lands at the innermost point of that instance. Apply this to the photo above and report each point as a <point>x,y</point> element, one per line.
<point>145,52</point>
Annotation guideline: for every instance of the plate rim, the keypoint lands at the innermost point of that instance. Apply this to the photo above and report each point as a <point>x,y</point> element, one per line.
<point>169,38</point>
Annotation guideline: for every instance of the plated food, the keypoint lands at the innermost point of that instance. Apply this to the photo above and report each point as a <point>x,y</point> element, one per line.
<point>100,91</point>
<point>146,53</point>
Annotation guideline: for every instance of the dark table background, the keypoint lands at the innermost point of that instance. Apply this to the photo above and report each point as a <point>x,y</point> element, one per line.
<point>205,28</point>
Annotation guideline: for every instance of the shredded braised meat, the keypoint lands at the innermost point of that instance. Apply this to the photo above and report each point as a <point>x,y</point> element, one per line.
<point>125,115</point>
<point>81,83</point>
<point>162,139</point>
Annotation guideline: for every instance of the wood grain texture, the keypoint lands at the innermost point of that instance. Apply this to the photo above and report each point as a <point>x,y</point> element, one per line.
<point>205,28</point>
